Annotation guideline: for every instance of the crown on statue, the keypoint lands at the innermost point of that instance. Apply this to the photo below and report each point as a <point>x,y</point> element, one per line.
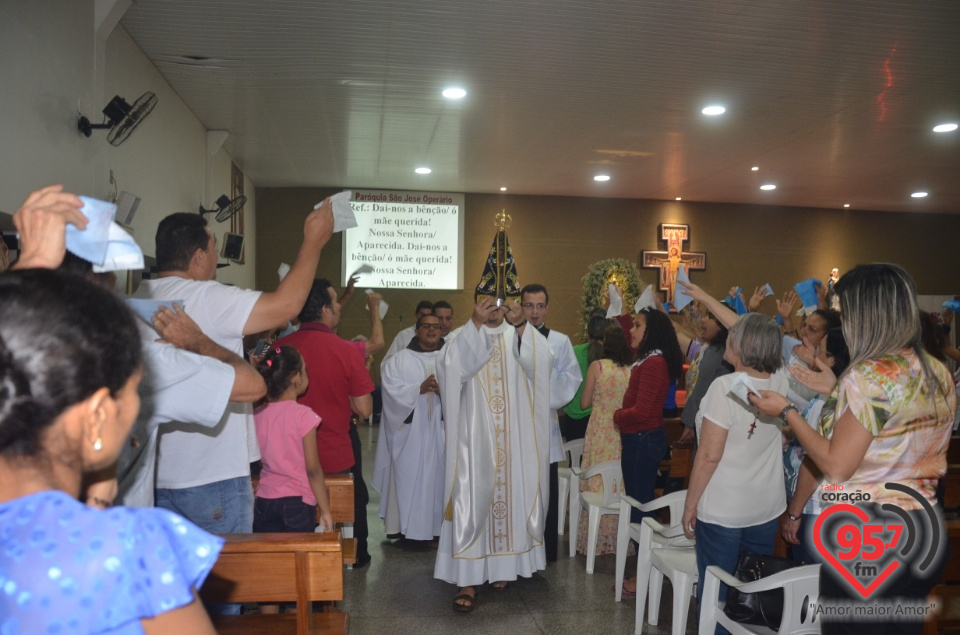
<point>502,221</point>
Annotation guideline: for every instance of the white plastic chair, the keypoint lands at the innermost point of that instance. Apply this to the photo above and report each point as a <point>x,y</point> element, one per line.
<point>677,561</point>
<point>566,478</point>
<point>596,503</point>
<point>801,588</point>
<point>627,531</point>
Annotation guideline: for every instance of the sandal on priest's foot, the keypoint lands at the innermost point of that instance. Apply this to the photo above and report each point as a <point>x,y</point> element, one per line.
<point>501,585</point>
<point>464,601</point>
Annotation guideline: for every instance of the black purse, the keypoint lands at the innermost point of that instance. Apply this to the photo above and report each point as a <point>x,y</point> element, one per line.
<point>764,608</point>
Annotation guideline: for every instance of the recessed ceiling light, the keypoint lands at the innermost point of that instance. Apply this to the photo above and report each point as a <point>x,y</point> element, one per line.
<point>679,199</point>
<point>503,189</point>
<point>945,127</point>
<point>454,92</point>
<point>846,204</point>
<point>713,111</point>
<point>768,186</point>
<point>918,194</point>
<point>755,168</point>
<point>601,177</point>
<point>423,170</point>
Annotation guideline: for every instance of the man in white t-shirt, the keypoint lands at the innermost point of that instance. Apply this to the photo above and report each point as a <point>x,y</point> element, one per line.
<point>203,473</point>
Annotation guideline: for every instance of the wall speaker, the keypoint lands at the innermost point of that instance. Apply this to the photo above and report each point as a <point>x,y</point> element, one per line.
<point>127,205</point>
<point>232,246</point>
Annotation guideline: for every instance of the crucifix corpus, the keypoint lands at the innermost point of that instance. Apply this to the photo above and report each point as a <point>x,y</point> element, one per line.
<point>669,261</point>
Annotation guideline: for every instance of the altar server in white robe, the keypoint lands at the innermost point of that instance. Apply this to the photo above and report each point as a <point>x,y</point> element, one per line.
<point>565,380</point>
<point>408,469</point>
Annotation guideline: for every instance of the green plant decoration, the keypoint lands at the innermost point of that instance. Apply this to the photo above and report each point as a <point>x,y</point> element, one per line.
<point>619,270</point>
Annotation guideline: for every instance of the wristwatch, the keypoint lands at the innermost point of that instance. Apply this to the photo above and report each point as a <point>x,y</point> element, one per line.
<point>516,326</point>
<point>792,517</point>
<point>786,410</point>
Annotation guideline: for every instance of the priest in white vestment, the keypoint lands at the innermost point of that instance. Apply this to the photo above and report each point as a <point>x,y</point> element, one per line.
<point>495,386</point>
<point>408,470</point>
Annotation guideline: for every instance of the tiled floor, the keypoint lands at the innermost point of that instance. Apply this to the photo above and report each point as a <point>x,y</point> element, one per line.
<point>397,592</point>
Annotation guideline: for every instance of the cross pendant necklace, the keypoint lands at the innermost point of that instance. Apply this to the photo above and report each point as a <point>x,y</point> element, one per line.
<point>753,426</point>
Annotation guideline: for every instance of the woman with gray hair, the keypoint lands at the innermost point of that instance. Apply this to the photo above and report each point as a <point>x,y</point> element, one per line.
<point>736,490</point>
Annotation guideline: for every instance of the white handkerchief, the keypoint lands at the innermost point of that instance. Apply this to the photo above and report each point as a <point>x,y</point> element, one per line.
<point>283,270</point>
<point>343,216</point>
<point>383,303</point>
<point>91,243</point>
<point>646,300</point>
<point>363,269</point>
<point>616,302</point>
<point>146,308</point>
<point>742,386</point>
<point>680,298</point>
<point>767,290</point>
<point>123,252</point>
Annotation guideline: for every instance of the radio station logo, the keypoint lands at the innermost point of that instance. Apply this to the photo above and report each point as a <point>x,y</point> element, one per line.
<point>871,546</point>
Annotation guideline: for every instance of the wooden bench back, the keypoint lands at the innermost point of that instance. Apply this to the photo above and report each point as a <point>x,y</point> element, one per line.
<point>299,568</point>
<point>340,488</point>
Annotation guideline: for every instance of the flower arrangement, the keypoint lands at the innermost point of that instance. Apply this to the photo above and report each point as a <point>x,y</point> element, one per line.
<point>621,272</point>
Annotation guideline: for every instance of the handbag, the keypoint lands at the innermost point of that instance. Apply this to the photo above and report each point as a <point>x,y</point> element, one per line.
<point>764,608</point>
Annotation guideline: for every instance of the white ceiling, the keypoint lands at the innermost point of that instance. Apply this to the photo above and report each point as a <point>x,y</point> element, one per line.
<point>834,100</point>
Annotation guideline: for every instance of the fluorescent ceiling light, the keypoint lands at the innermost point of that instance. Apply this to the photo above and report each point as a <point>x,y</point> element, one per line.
<point>423,170</point>
<point>768,187</point>
<point>918,194</point>
<point>454,92</point>
<point>755,168</point>
<point>503,189</point>
<point>945,127</point>
<point>679,199</point>
<point>601,177</point>
<point>713,111</point>
<point>846,204</point>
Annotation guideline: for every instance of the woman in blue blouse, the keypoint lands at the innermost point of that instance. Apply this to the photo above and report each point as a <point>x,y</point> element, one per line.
<point>69,373</point>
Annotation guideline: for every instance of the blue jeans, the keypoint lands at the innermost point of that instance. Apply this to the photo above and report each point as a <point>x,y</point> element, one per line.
<point>806,551</point>
<point>283,515</point>
<point>222,507</point>
<point>640,460</point>
<point>722,546</point>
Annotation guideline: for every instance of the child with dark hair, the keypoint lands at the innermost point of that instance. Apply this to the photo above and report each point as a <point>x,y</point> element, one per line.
<point>291,481</point>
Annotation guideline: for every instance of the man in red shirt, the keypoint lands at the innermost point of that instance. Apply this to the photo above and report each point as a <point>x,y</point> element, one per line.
<point>340,386</point>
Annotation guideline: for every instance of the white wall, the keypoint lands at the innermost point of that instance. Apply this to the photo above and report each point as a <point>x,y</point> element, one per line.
<point>47,57</point>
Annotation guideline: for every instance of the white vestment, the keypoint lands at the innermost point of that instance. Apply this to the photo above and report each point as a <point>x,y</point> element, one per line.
<point>565,380</point>
<point>496,398</point>
<point>400,342</point>
<point>408,469</point>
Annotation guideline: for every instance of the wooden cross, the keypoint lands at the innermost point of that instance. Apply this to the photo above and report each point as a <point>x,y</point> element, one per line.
<point>669,261</point>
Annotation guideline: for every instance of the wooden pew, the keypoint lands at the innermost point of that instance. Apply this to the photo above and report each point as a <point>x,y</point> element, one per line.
<point>279,568</point>
<point>340,489</point>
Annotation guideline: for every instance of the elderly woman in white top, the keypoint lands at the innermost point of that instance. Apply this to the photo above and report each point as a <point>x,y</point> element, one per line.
<point>736,493</point>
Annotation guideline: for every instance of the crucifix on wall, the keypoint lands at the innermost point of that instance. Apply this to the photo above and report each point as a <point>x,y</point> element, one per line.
<point>669,261</point>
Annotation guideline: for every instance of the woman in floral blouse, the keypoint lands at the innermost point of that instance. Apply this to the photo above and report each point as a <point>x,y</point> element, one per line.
<point>888,420</point>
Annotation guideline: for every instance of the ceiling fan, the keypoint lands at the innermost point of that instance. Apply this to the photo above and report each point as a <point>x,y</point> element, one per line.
<point>120,118</point>
<point>226,209</point>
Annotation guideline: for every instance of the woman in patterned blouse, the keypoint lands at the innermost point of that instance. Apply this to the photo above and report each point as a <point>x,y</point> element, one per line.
<point>888,420</point>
